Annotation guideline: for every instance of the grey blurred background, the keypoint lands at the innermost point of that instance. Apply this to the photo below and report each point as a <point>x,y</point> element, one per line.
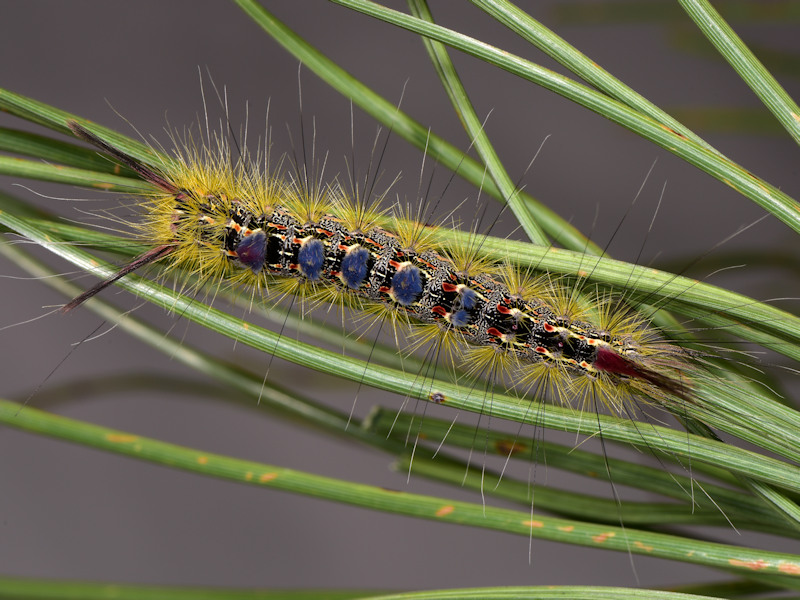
<point>70,512</point>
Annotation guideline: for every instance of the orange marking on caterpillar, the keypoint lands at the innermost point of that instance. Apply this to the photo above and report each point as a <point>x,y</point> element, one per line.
<point>445,510</point>
<point>567,528</point>
<point>202,460</point>
<point>602,537</point>
<point>121,438</point>
<point>248,476</point>
<point>643,546</point>
<point>267,477</point>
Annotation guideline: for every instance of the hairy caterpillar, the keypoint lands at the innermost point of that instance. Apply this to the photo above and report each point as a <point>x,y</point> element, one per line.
<point>243,226</point>
<point>626,164</point>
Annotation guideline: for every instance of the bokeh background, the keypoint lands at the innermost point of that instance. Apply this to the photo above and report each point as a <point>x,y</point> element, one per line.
<point>70,512</point>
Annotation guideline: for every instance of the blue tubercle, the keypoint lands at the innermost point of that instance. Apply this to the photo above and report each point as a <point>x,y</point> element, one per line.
<point>459,318</point>
<point>354,267</point>
<point>252,250</point>
<point>311,258</point>
<point>468,297</point>
<point>406,285</point>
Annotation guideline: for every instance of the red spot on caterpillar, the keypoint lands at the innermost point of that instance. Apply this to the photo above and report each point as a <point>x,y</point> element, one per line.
<point>494,332</point>
<point>503,309</point>
<point>439,310</point>
<point>449,287</point>
<point>548,328</point>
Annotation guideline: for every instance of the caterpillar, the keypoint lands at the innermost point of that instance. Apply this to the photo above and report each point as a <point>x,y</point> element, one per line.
<point>222,227</point>
<point>569,188</point>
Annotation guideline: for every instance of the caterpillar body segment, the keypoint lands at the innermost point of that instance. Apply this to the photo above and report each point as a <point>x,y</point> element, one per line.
<point>228,225</point>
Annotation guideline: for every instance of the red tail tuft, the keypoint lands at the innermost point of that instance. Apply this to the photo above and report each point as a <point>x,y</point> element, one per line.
<point>611,362</point>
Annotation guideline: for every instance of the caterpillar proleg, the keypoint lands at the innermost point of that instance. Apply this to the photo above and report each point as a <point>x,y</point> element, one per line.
<point>410,557</point>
